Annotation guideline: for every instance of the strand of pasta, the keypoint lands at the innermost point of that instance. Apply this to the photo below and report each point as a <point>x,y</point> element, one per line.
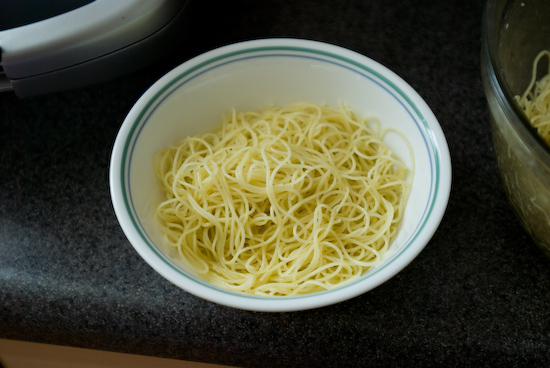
<point>535,101</point>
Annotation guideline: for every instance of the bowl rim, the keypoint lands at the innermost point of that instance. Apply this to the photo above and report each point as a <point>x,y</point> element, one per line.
<point>158,260</point>
<point>521,123</point>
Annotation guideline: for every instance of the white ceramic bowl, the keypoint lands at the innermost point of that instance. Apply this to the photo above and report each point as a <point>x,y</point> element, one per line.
<point>192,98</point>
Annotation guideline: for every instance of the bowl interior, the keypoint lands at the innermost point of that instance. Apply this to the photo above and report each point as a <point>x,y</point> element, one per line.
<point>192,98</point>
<point>516,31</point>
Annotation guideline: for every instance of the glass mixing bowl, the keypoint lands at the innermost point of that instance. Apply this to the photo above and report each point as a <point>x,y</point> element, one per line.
<point>514,32</point>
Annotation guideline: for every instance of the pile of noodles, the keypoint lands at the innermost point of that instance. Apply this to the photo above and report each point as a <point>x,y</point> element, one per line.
<point>535,102</point>
<point>284,201</point>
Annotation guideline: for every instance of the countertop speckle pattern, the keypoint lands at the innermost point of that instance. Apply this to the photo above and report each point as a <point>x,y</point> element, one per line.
<point>478,295</point>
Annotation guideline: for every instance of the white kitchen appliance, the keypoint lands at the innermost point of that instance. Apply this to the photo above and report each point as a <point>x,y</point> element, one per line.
<point>48,46</point>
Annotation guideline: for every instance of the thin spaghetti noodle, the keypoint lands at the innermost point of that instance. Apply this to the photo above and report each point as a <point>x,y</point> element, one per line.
<point>285,201</point>
<point>535,101</point>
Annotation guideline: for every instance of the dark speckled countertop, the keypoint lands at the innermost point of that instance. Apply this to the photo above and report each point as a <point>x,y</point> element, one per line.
<point>478,295</point>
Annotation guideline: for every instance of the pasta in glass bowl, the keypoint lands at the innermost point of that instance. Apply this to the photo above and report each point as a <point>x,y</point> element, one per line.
<point>280,175</point>
<point>515,71</point>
